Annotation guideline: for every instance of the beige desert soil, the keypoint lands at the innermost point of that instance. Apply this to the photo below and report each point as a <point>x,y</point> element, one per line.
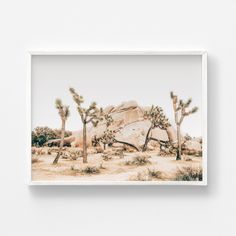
<point>115,169</point>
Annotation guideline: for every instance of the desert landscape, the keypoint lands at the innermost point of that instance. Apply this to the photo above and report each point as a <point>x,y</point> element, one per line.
<point>126,142</point>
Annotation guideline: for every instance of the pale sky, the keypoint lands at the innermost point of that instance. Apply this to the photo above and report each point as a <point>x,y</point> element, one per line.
<point>110,80</point>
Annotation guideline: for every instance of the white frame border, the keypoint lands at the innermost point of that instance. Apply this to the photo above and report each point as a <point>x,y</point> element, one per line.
<point>203,54</point>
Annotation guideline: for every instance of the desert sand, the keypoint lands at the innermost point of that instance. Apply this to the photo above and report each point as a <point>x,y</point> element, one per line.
<point>114,169</point>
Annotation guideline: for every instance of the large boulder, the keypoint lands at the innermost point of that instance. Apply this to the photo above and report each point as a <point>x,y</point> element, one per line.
<point>135,133</point>
<point>126,113</point>
<point>129,124</point>
<point>131,127</point>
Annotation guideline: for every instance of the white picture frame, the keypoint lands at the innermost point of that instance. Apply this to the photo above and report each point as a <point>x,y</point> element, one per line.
<point>203,55</point>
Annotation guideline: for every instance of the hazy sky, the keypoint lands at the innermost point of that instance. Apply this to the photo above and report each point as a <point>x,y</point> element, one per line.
<point>111,80</point>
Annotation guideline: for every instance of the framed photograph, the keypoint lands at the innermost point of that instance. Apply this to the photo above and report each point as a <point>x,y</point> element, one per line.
<point>117,118</point>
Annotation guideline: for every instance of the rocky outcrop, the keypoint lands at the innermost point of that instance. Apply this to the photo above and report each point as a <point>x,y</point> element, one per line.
<point>129,124</point>
<point>125,113</point>
<point>136,132</point>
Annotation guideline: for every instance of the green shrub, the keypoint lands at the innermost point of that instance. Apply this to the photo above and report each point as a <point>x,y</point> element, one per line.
<point>40,135</point>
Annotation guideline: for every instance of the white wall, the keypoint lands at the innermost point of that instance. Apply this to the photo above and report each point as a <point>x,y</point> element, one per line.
<point>123,24</point>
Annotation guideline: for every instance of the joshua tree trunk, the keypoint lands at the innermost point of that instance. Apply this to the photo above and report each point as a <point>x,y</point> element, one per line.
<point>178,156</point>
<point>170,135</point>
<point>61,142</point>
<point>128,144</point>
<point>84,143</point>
<point>146,140</point>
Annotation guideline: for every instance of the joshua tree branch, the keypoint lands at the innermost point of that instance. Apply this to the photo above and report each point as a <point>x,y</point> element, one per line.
<point>89,120</point>
<point>181,119</point>
<point>161,142</point>
<point>147,139</point>
<point>128,144</point>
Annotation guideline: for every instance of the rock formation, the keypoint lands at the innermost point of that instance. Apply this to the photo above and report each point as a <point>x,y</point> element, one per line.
<point>131,127</point>
<point>129,124</point>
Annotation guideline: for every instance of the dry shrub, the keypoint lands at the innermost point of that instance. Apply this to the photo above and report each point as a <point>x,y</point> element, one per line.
<point>189,174</point>
<point>106,156</point>
<point>129,149</point>
<point>141,176</point>
<point>74,155</point>
<point>188,159</point>
<point>139,160</point>
<point>101,166</point>
<point>153,173</point>
<point>87,169</point>
<point>71,154</point>
<point>99,149</point>
<point>34,160</point>
<point>148,175</point>
<point>120,153</point>
<point>65,155</point>
<point>49,152</point>
<point>73,168</point>
<point>54,149</point>
<point>91,170</point>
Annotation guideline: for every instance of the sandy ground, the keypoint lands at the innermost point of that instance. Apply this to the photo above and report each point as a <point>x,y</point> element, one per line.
<point>115,169</point>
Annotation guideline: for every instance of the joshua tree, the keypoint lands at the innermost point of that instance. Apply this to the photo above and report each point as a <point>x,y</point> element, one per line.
<point>92,114</point>
<point>180,112</point>
<point>157,118</point>
<point>64,113</point>
<point>108,137</point>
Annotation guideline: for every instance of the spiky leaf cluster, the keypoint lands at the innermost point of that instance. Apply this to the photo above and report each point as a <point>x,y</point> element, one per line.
<point>157,117</point>
<point>63,110</point>
<point>108,119</point>
<point>181,107</point>
<point>91,114</point>
<point>108,137</point>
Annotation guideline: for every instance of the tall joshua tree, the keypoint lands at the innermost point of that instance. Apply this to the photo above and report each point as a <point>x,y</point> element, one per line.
<point>92,114</point>
<point>64,113</point>
<point>180,112</point>
<point>158,119</point>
